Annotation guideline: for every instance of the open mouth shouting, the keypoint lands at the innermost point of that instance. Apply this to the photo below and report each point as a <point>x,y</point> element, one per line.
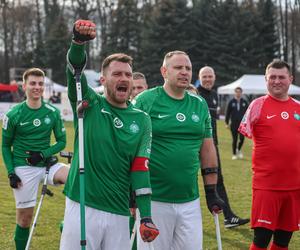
<point>122,91</point>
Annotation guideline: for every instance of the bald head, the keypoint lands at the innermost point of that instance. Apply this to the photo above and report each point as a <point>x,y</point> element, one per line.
<point>207,77</point>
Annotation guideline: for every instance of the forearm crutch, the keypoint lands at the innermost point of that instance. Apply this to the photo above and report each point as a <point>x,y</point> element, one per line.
<point>218,233</point>
<point>45,191</point>
<point>133,234</point>
<point>81,106</point>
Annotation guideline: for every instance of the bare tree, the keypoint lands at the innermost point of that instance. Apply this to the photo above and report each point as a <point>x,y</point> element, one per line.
<point>4,7</point>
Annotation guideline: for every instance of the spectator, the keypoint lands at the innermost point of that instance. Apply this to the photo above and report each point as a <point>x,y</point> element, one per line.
<point>235,111</point>
<point>207,78</point>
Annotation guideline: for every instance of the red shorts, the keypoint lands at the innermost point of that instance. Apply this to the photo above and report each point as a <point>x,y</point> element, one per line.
<point>276,210</point>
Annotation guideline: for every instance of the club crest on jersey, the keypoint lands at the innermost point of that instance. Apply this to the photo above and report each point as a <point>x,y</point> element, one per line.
<point>47,120</point>
<point>180,117</point>
<point>285,115</point>
<point>134,128</point>
<point>118,123</point>
<point>297,116</point>
<point>36,122</point>
<point>195,118</point>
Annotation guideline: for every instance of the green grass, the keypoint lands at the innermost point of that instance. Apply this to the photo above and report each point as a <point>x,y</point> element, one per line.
<point>237,176</point>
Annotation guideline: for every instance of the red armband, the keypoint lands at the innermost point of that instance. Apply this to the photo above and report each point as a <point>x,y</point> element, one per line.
<point>140,164</point>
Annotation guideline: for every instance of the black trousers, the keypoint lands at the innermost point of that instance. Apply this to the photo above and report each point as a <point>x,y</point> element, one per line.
<point>235,137</point>
<point>222,190</point>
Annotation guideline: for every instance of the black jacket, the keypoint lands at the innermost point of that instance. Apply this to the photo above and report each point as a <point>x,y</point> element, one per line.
<point>211,97</point>
<point>235,112</point>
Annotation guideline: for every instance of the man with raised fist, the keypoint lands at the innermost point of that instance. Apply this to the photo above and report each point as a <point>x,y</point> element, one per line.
<point>117,145</point>
<point>26,133</point>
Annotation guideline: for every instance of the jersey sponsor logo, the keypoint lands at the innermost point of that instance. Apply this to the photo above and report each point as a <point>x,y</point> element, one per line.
<point>297,116</point>
<point>195,118</point>
<point>162,116</point>
<point>264,221</point>
<point>270,116</point>
<point>36,122</point>
<point>23,123</point>
<point>285,115</point>
<point>180,117</point>
<point>47,120</point>
<point>134,128</point>
<point>5,122</point>
<point>118,123</point>
<point>105,112</point>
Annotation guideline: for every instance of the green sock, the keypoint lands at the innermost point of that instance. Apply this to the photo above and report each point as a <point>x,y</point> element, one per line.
<point>21,237</point>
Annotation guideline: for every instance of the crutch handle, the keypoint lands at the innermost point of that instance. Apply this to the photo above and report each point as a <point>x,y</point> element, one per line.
<point>51,161</point>
<point>67,155</point>
<point>81,106</point>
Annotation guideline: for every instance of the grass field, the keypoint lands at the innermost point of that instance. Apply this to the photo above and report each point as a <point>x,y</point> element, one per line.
<point>237,176</point>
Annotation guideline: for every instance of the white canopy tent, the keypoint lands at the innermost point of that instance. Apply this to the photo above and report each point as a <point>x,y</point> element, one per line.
<point>252,85</point>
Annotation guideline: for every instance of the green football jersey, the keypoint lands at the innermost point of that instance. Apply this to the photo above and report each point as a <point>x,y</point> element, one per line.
<point>113,138</point>
<point>25,129</point>
<point>178,130</point>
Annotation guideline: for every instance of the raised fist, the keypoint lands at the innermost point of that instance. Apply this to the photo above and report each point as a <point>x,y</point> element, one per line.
<point>84,30</point>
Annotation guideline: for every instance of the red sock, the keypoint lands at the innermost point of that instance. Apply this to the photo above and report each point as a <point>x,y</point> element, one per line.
<point>275,247</point>
<point>253,247</point>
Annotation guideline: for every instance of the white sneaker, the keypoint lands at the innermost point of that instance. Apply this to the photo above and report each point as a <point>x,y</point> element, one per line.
<point>234,157</point>
<point>240,155</point>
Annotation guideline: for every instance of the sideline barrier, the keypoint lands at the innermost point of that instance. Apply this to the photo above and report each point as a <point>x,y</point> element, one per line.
<point>65,109</point>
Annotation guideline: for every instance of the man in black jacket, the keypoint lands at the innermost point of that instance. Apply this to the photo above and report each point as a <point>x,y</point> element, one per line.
<point>235,111</point>
<point>207,79</point>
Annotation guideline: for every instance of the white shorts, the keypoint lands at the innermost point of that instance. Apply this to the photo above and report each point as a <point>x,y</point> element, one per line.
<point>179,225</point>
<point>104,230</point>
<point>26,196</point>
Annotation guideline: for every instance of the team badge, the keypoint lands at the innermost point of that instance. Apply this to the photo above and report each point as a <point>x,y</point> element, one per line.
<point>118,123</point>
<point>180,117</point>
<point>214,101</point>
<point>195,118</point>
<point>36,122</point>
<point>47,120</point>
<point>285,115</point>
<point>134,128</point>
<point>297,116</point>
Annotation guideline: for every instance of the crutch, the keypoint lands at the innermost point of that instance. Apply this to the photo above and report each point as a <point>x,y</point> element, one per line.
<point>218,233</point>
<point>133,234</point>
<point>67,155</point>
<point>81,106</point>
<point>51,161</point>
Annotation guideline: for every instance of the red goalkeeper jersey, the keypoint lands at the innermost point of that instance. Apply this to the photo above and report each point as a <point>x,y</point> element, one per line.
<point>274,126</point>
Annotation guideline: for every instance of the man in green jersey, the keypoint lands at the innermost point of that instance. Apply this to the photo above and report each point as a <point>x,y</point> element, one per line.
<point>117,142</point>
<point>26,134</point>
<point>182,134</point>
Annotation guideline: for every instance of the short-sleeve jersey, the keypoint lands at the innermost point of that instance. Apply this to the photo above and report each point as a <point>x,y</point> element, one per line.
<point>178,130</point>
<point>25,129</point>
<point>274,126</point>
<point>113,138</point>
